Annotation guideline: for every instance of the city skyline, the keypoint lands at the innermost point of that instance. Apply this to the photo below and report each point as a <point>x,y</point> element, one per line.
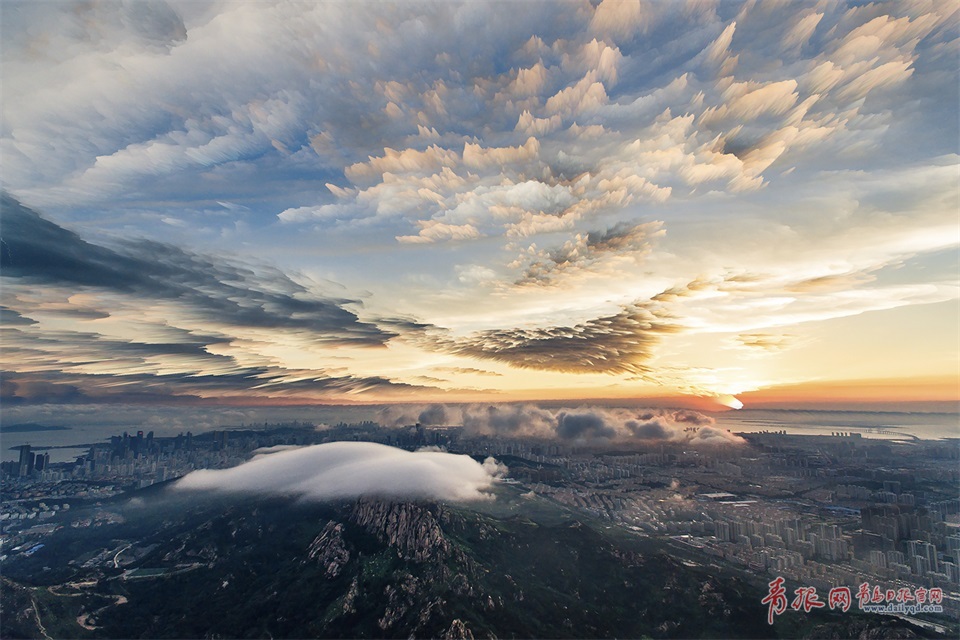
<point>707,204</point>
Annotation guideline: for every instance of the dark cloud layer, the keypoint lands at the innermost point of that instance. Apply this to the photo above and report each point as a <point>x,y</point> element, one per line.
<point>241,387</point>
<point>168,362</point>
<point>37,251</point>
<point>620,343</point>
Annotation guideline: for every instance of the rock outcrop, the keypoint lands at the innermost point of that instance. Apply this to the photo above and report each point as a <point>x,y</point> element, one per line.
<point>458,631</point>
<point>412,529</point>
<point>329,549</point>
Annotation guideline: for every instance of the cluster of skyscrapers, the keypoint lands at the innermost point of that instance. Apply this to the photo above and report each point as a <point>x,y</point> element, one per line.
<point>28,463</point>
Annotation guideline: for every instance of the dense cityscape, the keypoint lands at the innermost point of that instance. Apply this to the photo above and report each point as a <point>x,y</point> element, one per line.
<point>823,511</point>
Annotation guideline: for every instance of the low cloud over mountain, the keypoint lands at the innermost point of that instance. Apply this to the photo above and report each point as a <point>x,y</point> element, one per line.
<point>350,470</point>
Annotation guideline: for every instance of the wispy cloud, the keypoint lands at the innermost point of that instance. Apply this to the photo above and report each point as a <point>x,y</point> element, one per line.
<point>766,341</point>
<point>468,371</point>
<point>589,250</point>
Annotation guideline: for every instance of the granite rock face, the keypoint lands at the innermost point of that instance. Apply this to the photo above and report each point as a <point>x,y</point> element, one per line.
<point>412,529</point>
<point>330,550</point>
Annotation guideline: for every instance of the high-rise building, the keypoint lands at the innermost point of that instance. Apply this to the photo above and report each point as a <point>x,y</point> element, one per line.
<point>895,557</point>
<point>920,565</point>
<point>951,570</point>
<point>26,461</point>
<point>925,550</point>
<point>953,547</point>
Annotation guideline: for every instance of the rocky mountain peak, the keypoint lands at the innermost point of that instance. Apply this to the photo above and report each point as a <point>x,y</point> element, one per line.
<point>413,529</point>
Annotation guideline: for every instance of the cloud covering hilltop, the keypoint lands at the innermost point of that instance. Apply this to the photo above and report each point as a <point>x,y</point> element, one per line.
<point>351,470</point>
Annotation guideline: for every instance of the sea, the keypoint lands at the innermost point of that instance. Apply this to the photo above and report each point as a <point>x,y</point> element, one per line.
<point>886,425</point>
<point>85,429</point>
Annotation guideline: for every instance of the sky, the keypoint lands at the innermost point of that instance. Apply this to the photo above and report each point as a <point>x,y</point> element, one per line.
<point>698,204</point>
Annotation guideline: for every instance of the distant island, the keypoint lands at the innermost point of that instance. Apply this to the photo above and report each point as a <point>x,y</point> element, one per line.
<point>30,427</point>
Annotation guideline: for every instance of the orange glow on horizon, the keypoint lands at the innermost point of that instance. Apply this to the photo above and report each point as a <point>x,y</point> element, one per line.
<point>942,389</point>
<point>881,393</point>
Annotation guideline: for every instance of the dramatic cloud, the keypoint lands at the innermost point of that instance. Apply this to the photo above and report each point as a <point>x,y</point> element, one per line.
<point>618,198</point>
<point>620,343</point>
<point>38,252</point>
<point>348,470</point>
<point>498,100</point>
<point>176,317</point>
